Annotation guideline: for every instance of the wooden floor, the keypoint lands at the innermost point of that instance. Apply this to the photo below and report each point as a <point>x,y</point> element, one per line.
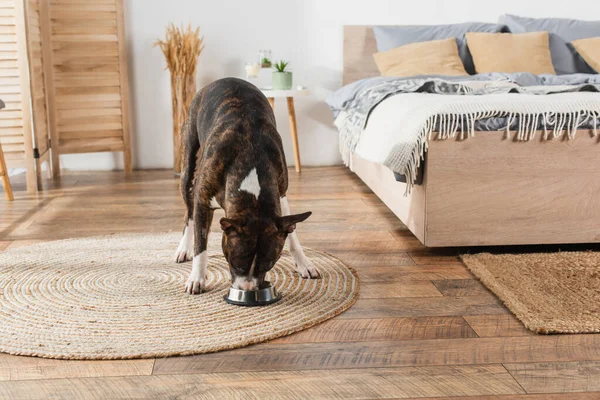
<point>423,326</point>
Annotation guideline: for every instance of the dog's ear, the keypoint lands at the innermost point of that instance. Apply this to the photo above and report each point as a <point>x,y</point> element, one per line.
<point>228,223</point>
<point>288,223</point>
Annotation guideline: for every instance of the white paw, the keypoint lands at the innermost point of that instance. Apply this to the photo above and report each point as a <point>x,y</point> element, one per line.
<point>194,285</point>
<point>186,245</point>
<point>183,254</point>
<point>307,269</point>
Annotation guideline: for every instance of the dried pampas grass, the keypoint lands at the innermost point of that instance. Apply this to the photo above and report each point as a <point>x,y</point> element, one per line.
<point>182,48</point>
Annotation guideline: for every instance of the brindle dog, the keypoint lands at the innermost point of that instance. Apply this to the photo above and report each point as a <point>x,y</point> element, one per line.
<point>233,159</point>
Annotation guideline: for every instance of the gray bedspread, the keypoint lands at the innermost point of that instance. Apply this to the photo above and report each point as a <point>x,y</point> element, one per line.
<point>356,101</point>
<point>343,98</point>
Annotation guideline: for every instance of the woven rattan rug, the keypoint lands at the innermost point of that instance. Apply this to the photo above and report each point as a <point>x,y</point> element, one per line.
<point>122,296</point>
<point>547,292</point>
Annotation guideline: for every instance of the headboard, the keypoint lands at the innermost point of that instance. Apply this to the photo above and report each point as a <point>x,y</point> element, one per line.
<point>359,47</point>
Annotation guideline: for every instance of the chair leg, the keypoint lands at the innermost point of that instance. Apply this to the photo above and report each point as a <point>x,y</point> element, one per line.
<point>4,176</point>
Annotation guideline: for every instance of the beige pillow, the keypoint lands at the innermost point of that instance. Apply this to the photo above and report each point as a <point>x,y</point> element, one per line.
<point>437,57</point>
<point>589,49</point>
<point>507,52</point>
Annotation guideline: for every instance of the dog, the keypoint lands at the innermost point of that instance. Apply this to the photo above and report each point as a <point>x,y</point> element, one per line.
<point>233,159</point>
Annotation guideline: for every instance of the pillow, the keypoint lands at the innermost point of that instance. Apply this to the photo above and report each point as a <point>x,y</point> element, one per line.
<point>437,57</point>
<point>562,31</point>
<point>390,37</point>
<point>507,52</point>
<point>589,50</point>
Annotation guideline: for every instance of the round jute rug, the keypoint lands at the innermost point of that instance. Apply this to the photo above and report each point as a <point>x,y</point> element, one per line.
<point>122,296</point>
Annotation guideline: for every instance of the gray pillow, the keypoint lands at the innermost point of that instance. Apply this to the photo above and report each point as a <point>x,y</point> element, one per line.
<point>390,37</point>
<point>562,31</point>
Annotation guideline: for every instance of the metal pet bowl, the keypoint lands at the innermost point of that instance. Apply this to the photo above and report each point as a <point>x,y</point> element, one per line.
<point>250,298</point>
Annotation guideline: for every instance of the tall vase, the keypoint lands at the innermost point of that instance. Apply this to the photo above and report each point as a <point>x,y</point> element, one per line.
<point>183,89</point>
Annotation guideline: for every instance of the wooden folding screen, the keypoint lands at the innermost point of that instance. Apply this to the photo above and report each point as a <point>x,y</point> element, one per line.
<point>63,77</point>
<point>17,119</point>
<point>41,136</point>
<point>87,81</point>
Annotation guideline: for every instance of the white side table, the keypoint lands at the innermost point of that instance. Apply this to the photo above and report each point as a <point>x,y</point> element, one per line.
<point>289,95</point>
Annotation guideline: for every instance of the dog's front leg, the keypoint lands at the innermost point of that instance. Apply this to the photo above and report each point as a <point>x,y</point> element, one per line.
<point>202,219</point>
<point>304,266</point>
<point>185,249</point>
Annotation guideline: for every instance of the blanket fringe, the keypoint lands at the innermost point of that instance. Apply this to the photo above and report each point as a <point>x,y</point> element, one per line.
<point>347,144</point>
<point>346,156</point>
<point>448,126</point>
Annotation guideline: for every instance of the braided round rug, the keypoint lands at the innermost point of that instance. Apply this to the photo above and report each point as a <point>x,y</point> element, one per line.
<point>122,296</point>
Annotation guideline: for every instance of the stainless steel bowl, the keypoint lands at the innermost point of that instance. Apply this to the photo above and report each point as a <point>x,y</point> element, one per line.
<point>250,298</point>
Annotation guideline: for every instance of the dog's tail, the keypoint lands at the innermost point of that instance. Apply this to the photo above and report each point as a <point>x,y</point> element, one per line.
<point>190,145</point>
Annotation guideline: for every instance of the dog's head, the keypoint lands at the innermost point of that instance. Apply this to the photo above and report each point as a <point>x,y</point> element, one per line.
<point>253,246</point>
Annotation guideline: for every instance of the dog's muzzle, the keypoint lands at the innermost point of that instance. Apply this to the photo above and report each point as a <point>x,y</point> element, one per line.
<point>245,283</point>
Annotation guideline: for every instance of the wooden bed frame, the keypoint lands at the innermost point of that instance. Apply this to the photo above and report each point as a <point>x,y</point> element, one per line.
<point>487,190</point>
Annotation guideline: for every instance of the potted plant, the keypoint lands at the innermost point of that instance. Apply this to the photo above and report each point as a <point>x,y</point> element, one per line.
<point>265,63</point>
<point>282,79</point>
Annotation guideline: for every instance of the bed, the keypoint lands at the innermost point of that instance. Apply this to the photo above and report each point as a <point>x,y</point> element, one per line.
<point>486,190</point>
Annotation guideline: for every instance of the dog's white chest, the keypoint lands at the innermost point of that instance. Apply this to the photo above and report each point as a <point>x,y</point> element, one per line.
<point>213,203</point>
<point>250,183</point>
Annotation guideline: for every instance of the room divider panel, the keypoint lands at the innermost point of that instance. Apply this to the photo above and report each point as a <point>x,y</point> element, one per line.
<point>16,120</point>
<point>63,77</point>
<point>89,89</point>
<point>40,140</point>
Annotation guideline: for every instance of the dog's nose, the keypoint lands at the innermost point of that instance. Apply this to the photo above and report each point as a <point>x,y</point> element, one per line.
<point>245,283</point>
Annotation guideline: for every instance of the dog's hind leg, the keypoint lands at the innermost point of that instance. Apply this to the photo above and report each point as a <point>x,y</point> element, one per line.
<point>304,266</point>
<point>203,216</point>
<point>190,146</point>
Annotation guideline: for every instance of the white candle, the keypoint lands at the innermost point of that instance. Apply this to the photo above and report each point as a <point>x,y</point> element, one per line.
<point>252,70</point>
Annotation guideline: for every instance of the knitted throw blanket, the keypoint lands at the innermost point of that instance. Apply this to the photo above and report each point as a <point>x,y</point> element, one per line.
<point>395,133</point>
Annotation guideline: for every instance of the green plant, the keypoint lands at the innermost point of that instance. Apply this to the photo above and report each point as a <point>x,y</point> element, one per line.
<point>265,60</point>
<point>281,66</point>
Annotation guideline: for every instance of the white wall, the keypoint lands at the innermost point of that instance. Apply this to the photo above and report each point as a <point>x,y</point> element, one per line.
<point>306,32</point>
